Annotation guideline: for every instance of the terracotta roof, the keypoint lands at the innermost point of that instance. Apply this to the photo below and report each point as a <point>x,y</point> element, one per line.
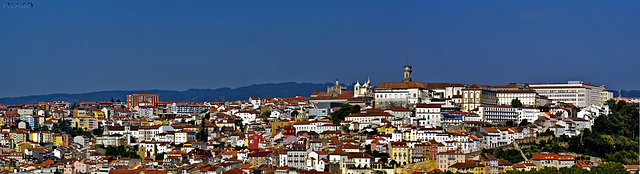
<point>396,108</point>
<point>401,85</point>
<point>422,105</point>
<point>492,130</point>
<point>358,155</point>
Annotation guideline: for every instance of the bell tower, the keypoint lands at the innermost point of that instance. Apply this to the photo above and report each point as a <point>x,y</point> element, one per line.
<point>407,74</point>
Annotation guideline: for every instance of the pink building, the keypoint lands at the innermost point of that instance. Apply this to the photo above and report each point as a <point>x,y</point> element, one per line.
<point>68,169</point>
<point>92,123</point>
<point>80,166</point>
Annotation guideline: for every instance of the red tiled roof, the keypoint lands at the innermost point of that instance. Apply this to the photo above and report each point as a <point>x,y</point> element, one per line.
<point>401,85</point>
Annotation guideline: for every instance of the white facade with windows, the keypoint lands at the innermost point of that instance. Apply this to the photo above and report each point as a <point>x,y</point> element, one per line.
<point>498,113</point>
<point>526,97</point>
<point>575,92</point>
<point>402,94</point>
<point>473,98</point>
<point>430,113</point>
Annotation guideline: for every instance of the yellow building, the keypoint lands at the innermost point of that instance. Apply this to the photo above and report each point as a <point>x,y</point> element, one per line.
<point>387,129</point>
<point>467,167</point>
<point>41,137</point>
<point>81,122</point>
<point>79,112</point>
<point>477,95</point>
<point>22,146</point>
<point>449,158</point>
<point>161,122</point>
<point>57,139</point>
<point>2,122</point>
<point>399,152</point>
<point>275,125</point>
<point>98,114</point>
<point>144,122</point>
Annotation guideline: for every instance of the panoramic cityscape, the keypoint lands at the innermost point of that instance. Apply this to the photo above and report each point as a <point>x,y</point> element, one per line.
<point>310,87</point>
<point>393,127</point>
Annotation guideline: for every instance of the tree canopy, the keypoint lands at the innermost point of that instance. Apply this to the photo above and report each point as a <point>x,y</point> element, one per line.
<point>345,109</point>
<point>614,136</point>
<point>516,102</point>
<point>608,168</point>
<point>267,113</point>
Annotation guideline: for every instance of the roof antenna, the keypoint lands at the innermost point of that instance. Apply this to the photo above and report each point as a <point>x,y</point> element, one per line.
<point>407,61</point>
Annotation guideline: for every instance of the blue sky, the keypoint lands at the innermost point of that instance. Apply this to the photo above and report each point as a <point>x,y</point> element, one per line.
<point>84,46</point>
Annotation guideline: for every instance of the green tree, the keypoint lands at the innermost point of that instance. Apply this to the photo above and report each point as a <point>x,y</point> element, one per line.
<point>240,147</point>
<point>267,113</point>
<point>294,113</point>
<point>524,122</point>
<point>393,163</point>
<point>609,167</point>
<point>614,136</point>
<point>160,156</point>
<point>379,172</point>
<point>97,131</point>
<point>544,108</point>
<point>340,114</point>
<point>516,102</point>
<point>345,128</point>
<point>202,135</point>
<point>509,123</point>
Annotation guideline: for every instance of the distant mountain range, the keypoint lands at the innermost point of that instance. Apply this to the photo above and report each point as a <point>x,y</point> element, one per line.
<point>287,89</point>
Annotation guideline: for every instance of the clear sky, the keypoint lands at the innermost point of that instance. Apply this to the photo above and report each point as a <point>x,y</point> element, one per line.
<point>94,45</point>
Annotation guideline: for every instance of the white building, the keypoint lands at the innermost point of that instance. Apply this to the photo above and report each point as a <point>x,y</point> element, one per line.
<point>145,111</point>
<point>526,97</point>
<point>399,112</point>
<point>184,136</point>
<point>498,113</point>
<point>255,101</point>
<point>528,113</point>
<point>247,116</point>
<point>403,94</point>
<point>575,92</point>
<point>430,113</point>
<point>364,90</point>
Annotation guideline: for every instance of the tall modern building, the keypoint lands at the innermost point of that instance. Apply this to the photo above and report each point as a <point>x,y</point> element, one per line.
<point>577,93</point>
<point>134,100</point>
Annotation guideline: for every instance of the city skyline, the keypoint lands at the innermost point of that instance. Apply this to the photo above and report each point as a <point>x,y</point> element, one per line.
<point>120,45</point>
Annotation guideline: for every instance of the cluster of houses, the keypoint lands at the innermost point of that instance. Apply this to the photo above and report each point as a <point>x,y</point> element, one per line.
<point>441,126</point>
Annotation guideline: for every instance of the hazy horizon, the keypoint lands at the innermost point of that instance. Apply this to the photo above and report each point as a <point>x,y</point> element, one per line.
<point>84,46</point>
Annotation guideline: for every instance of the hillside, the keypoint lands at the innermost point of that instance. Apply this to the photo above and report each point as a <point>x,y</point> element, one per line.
<point>287,89</point>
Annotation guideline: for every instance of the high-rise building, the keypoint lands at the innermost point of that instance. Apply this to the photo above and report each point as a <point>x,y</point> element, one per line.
<point>134,100</point>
